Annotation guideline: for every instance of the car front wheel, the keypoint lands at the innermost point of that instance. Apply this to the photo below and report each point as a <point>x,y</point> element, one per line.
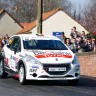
<point>22,75</point>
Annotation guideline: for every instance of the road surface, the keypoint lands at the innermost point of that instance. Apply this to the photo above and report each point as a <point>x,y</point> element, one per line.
<point>12,87</point>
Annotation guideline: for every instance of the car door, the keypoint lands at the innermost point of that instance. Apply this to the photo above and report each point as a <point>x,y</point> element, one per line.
<point>15,55</point>
<point>7,52</point>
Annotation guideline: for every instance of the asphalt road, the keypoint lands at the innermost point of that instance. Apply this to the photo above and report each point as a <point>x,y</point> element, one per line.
<point>12,87</point>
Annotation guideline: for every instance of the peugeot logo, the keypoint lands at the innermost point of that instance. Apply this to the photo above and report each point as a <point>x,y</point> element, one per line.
<point>56,59</point>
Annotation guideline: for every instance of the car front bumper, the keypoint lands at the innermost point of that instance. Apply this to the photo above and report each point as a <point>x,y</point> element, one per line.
<point>41,74</point>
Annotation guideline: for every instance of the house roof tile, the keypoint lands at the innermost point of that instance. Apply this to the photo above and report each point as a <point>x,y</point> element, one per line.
<point>24,24</point>
<point>1,10</point>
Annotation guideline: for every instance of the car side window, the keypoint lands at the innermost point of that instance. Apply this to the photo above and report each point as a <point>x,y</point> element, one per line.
<point>9,43</point>
<point>14,44</point>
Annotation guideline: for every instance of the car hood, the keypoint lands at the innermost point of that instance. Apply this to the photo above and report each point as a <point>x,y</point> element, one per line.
<point>52,56</point>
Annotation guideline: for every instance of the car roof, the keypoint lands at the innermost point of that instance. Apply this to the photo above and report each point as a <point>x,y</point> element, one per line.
<point>44,37</point>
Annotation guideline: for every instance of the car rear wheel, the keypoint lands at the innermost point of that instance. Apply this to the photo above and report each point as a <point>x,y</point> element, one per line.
<point>73,82</point>
<point>22,75</point>
<point>3,74</point>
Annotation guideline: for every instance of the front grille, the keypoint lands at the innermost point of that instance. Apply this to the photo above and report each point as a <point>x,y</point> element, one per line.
<point>47,66</point>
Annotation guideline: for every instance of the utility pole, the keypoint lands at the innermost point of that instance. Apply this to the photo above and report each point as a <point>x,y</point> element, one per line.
<point>39,17</point>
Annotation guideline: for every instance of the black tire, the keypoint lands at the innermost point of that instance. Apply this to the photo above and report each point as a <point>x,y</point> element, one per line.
<point>73,82</point>
<point>3,74</point>
<point>22,75</point>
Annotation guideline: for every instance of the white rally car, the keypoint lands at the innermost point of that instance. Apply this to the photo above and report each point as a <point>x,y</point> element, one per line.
<point>33,57</point>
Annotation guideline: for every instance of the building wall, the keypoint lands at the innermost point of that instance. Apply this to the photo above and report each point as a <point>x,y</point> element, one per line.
<point>88,63</point>
<point>59,22</point>
<point>8,25</point>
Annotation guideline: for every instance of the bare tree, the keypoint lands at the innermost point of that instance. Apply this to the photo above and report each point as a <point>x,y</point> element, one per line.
<point>53,4</point>
<point>90,16</point>
<point>23,10</point>
<point>26,10</point>
<point>29,11</point>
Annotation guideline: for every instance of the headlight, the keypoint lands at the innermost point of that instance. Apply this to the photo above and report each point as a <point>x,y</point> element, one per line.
<point>75,60</point>
<point>32,60</point>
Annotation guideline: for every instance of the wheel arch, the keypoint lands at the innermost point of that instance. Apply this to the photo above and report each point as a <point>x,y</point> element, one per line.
<point>21,62</point>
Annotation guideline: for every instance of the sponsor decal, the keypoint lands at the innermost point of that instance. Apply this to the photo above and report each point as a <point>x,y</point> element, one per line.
<point>14,58</point>
<point>35,67</point>
<point>32,70</point>
<point>12,67</point>
<point>6,61</point>
<point>47,54</point>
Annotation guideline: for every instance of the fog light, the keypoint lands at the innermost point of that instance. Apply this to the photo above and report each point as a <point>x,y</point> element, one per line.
<point>76,74</point>
<point>34,75</point>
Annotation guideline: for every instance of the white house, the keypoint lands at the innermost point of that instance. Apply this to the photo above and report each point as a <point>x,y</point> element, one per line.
<point>8,25</point>
<point>54,21</point>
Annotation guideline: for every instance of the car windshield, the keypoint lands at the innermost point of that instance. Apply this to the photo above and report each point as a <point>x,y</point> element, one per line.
<point>44,45</point>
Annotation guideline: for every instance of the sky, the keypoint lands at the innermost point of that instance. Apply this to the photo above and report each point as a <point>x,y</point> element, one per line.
<point>81,3</point>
